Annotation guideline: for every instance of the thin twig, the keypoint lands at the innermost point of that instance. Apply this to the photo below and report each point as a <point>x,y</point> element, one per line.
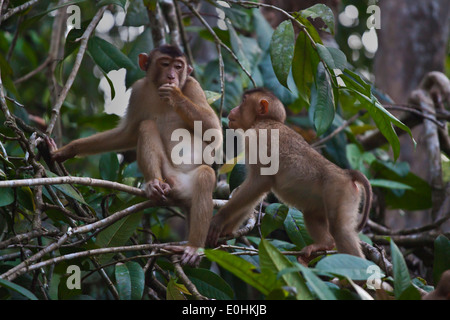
<point>337,130</point>
<point>189,285</point>
<point>65,90</point>
<point>411,109</point>
<point>217,39</point>
<point>15,10</point>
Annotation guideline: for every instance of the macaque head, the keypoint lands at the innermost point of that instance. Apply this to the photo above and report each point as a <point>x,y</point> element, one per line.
<point>165,65</point>
<point>257,104</point>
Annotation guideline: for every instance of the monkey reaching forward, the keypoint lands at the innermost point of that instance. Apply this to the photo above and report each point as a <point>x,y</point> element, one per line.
<point>165,100</point>
<point>328,196</point>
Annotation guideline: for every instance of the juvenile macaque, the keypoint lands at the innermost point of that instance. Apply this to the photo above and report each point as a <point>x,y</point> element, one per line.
<point>165,100</point>
<point>328,196</point>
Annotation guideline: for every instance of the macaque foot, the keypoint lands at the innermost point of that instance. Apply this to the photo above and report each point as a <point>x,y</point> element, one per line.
<point>308,250</point>
<point>157,190</point>
<point>190,254</point>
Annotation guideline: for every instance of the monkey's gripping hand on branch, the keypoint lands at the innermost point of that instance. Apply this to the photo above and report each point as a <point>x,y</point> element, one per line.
<point>59,155</point>
<point>190,254</point>
<point>216,230</point>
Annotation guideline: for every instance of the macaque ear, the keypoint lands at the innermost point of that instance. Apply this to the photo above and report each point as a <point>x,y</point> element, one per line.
<point>143,60</point>
<point>263,106</point>
<point>189,69</point>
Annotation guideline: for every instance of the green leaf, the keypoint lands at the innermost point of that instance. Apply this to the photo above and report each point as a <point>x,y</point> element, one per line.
<point>316,284</point>
<point>294,225</point>
<point>263,281</point>
<point>117,234</point>
<point>107,56</point>
<point>7,196</point>
<point>322,104</point>
<point>137,278</point>
<point>273,219</point>
<point>339,58</point>
<point>123,281</point>
<point>12,286</point>
<point>273,260</point>
<point>346,265</point>
<point>282,50</point>
<point>173,291</point>
<point>441,257</point>
<point>210,284</point>
<point>410,293</point>
<point>237,176</point>
<point>67,189</point>
<point>321,11</point>
<point>383,183</point>
<point>325,55</point>
<point>304,65</point>
<point>136,14</point>
<point>402,279</point>
<point>416,198</point>
<point>212,96</point>
<point>109,166</point>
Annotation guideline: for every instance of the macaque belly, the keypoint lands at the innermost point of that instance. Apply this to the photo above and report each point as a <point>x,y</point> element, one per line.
<point>302,195</point>
<point>183,147</point>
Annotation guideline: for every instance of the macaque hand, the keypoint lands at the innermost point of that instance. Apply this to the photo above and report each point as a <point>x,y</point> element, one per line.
<point>214,232</point>
<point>169,93</point>
<point>191,255</point>
<point>59,155</point>
<point>157,190</point>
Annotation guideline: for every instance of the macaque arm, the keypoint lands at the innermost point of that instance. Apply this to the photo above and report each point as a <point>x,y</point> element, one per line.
<point>193,106</point>
<point>119,138</point>
<point>239,206</point>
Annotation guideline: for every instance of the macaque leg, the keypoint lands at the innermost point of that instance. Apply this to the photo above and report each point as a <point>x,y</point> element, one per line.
<point>151,158</point>
<point>342,220</point>
<point>238,207</point>
<point>200,213</point>
<point>317,226</point>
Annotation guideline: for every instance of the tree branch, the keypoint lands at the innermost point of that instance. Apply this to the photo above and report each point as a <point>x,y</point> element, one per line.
<point>65,90</point>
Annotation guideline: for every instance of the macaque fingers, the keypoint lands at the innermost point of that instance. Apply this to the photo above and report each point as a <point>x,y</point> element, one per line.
<point>191,256</point>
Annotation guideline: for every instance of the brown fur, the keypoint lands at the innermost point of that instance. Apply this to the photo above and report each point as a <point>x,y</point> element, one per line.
<point>165,100</point>
<point>326,194</point>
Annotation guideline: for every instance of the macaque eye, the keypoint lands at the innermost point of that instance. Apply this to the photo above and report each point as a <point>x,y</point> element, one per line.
<point>178,67</point>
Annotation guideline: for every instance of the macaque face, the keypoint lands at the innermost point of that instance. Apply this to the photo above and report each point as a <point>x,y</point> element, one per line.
<point>244,115</point>
<point>164,68</point>
<point>169,70</point>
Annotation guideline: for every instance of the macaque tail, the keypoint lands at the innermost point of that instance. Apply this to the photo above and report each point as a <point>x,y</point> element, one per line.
<point>360,178</point>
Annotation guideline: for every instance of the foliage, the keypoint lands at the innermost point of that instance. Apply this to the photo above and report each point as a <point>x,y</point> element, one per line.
<point>316,83</point>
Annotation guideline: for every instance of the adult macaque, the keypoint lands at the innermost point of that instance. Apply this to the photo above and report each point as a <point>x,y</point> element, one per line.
<point>165,100</point>
<point>328,196</point>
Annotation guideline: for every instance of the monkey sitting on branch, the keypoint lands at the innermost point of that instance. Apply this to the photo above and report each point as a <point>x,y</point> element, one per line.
<point>165,101</point>
<point>328,196</point>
